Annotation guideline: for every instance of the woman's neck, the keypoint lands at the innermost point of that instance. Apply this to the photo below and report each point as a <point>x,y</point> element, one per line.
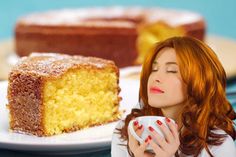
<point>174,112</point>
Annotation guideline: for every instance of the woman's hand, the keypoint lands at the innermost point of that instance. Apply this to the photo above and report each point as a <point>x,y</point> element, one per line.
<point>137,149</point>
<point>167,146</point>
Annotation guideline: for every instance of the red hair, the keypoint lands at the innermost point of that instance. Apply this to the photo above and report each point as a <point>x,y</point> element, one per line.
<point>207,108</point>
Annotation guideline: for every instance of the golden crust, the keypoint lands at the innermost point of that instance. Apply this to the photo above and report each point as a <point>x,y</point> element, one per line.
<point>54,65</point>
<point>26,81</point>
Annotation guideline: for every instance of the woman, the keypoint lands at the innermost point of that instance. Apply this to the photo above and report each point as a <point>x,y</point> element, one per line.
<point>182,79</point>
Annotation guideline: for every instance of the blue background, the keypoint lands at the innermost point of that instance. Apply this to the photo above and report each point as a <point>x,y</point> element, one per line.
<point>219,14</point>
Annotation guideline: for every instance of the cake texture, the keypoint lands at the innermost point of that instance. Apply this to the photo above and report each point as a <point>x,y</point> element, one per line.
<point>123,35</point>
<point>50,93</point>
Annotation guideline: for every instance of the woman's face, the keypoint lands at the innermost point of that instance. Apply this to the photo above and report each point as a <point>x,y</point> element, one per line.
<point>165,85</point>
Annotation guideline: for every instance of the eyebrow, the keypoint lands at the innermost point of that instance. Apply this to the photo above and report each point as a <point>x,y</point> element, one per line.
<point>167,63</point>
<point>171,63</point>
<point>154,62</point>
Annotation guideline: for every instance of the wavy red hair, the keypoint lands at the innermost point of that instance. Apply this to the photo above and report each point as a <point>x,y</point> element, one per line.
<point>207,108</point>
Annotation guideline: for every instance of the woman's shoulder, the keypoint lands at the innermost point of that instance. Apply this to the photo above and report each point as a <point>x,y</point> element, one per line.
<point>227,148</point>
<point>118,146</point>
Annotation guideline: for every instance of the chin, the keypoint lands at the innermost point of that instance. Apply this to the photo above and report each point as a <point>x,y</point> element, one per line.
<point>155,104</point>
<point>160,104</point>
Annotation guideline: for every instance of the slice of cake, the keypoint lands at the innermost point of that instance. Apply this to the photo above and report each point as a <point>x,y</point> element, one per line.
<point>50,93</point>
<point>123,35</point>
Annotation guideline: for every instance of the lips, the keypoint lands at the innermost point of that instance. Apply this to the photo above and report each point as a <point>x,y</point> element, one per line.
<point>156,90</point>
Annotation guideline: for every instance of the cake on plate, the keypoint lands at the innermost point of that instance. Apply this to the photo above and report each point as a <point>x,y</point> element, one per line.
<point>123,35</point>
<point>50,93</point>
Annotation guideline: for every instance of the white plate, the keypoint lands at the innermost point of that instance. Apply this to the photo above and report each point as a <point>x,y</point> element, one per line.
<point>87,140</point>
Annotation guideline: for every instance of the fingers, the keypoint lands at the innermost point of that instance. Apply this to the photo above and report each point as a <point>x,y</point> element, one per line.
<point>155,147</point>
<point>138,128</point>
<point>140,151</point>
<point>156,140</point>
<point>133,143</point>
<point>159,144</point>
<point>144,145</point>
<point>173,128</point>
<point>159,139</point>
<point>171,133</point>
<point>166,131</point>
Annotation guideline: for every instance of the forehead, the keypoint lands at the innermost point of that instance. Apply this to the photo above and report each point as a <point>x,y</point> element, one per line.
<point>166,55</point>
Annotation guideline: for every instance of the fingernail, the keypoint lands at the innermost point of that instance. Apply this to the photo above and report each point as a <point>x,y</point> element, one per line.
<point>135,123</point>
<point>149,137</point>
<point>159,122</point>
<point>167,119</point>
<point>150,128</point>
<point>146,140</point>
<point>140,127</point>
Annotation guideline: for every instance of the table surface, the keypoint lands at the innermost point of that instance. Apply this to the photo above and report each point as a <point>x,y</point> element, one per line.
<point>9,153</point>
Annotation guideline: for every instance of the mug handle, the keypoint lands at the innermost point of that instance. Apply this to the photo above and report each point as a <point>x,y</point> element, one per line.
<point>131,129</point>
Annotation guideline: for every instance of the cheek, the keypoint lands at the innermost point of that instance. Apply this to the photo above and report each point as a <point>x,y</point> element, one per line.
<point>176,89</point>
<point>150,78</point>
<point>175,92</point>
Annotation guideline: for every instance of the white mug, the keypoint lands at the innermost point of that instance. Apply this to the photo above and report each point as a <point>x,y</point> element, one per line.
<point>147,121</point>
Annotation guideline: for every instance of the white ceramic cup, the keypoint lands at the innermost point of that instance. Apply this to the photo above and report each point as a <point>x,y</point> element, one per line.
<point>147,121</point>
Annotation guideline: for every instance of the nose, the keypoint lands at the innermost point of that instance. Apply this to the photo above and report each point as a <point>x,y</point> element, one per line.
<point>157,76</point>
<point>157,80</point>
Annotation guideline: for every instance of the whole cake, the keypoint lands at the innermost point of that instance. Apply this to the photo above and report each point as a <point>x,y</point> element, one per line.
<point>51,93</point>
<point>123,35</point>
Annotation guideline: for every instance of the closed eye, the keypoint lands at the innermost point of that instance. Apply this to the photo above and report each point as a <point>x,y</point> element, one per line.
<point>155,68</point>
<point>172,71</point>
